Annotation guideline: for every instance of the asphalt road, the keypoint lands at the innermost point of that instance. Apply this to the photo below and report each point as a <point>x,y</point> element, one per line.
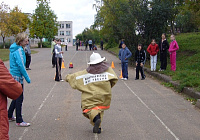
<point>140,110</point>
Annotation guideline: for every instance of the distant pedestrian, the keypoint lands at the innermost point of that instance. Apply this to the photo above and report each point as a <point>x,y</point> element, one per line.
<point>95,83</point>
<point>59,60</point>
<point>8,88</point>
<point>28,55</point>
<point>90,44</point>
<point>163,46</point>
<point>124,55</point>
<point>153,50</point>
<point>172,50</point>
<point>86,44</point>
<point>77,44</point>
<point>53,43</point>
<point>140,58</point>
<point>18,71</point>
<point>66,43</point>
<point>101,44</point>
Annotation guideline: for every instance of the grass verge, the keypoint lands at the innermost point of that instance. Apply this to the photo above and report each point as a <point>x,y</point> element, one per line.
<point>4,54</point>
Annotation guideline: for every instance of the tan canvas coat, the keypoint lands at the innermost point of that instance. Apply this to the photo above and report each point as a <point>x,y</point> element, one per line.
<point>95,88</point>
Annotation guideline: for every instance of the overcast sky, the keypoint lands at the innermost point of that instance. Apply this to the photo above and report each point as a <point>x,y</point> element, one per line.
<point>80,12</point>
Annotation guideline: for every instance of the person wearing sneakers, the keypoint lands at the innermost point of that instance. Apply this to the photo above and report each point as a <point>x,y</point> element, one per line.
<point>153,49</point>
<point>8,88</point>
<point>18,71</point>
<point>59,60</point>
<point>124,55</point>
<point>140,58</point>
<point>95,83</point>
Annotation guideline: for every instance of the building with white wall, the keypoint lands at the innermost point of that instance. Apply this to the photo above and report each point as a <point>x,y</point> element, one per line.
<point>65,30</point>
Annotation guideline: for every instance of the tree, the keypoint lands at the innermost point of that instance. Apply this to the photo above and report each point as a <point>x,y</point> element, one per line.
<point>12,21</point>
<point>18,21</point>
<point>44,22</point>
<point>4,19</point>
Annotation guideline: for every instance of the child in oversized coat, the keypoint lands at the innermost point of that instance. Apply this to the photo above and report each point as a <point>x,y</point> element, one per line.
<point>95,83</point>
<point>172,50</point>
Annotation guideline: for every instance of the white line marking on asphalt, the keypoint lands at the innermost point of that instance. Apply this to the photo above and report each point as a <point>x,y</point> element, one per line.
<point>42,104</point>
<point>176,138</point>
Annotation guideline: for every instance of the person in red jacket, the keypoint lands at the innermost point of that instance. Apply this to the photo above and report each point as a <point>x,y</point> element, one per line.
<point>153,49</point>
<point>8,88</point>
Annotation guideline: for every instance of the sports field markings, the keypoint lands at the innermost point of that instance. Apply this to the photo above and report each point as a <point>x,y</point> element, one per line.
<point>176,138</point>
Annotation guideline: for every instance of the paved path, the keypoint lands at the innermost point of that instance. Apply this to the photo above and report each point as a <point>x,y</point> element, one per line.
<point>140,110</point>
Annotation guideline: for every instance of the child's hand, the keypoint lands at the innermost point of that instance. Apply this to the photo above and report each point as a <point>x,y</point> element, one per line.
<point>141,64</point>
<point>136,64</point>
<point>61,52</point>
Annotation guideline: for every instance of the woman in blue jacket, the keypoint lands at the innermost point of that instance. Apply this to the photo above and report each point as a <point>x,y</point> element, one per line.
<point>18,71</point>
<point>124,55</point>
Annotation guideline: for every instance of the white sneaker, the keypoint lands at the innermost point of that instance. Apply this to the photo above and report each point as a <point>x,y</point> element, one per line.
<point>122,78</point>
<point>23,124</point>
<point>61,80</point>
<point>125,79</point>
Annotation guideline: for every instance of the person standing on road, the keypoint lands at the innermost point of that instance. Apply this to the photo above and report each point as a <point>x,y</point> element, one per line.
<point>18,71</point>
<point>66,43</point>
<point>8,88</point>
<point>28,55</point>
<point>95,83</point>
<point>101,44</point>
<point>77,44</point>
<point>124,55</point>
<point>163,46</point>
<point>53,43</point>
<point>90,44</point>
<point>59,59</point>
<point>140,58</point>
<point>153,49</point>
<point>86,44</point>
<point>172,50</point>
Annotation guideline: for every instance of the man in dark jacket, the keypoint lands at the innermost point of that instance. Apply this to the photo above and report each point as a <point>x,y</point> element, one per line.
<point>140,58</point>
<point>8,88</point>
<point>124,55</point>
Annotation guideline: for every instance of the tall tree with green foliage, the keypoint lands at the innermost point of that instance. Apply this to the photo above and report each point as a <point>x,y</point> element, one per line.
<point>44,22</point>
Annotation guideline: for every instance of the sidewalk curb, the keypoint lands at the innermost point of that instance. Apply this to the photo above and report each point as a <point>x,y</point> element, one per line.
<point>186,90</point>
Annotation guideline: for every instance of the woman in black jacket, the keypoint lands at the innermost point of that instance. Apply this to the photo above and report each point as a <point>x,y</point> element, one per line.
<point>163,46</point>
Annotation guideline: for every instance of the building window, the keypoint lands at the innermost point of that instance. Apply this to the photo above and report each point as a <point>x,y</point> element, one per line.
<point>61,25</point>
<point>68,26</point>
<point>69,39</point>
<point>61,32</point>
<point>62,39</point>
<point>67,33</point>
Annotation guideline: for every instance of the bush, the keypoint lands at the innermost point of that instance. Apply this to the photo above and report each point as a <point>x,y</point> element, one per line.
<point>7,45</point>
<point>45,44</point>
<point>111,44</point>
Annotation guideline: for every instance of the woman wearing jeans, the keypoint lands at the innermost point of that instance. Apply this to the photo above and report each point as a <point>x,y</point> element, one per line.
<point>18,71</point>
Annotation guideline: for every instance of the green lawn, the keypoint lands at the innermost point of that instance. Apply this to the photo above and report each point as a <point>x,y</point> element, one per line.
<point>188,61</point>
<point>4,54</point>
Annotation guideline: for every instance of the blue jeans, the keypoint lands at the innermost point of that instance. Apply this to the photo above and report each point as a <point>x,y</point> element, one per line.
<point>125,70</point>
<point>16,104</point>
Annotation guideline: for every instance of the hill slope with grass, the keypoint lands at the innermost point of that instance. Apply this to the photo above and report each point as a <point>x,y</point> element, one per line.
<point>188,61</point>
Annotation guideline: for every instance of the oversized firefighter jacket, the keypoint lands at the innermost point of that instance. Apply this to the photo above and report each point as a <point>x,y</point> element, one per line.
<point>95,88</point>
